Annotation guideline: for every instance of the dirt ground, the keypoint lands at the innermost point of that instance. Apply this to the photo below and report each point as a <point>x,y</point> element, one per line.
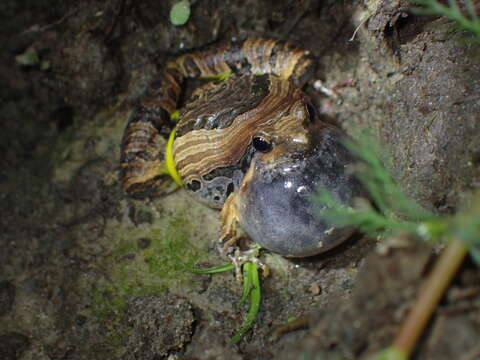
<point>87,273</point>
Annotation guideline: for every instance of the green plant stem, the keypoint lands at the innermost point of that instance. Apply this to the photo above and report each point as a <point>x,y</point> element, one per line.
<point>429,296</point>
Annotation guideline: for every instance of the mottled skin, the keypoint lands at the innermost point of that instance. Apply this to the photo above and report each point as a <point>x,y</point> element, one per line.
<point>143,144</point>
<point>251,145</point>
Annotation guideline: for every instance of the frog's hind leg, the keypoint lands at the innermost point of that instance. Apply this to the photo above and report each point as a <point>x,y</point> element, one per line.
<point>143,170</point>
<point>142,166</point>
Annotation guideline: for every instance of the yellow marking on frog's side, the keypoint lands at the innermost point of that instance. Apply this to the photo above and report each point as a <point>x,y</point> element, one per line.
<point>220,76</point>
<point>175,115</point>
<point>172,170</point>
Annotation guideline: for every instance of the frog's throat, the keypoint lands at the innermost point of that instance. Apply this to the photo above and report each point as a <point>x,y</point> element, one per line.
<point>172,170</point>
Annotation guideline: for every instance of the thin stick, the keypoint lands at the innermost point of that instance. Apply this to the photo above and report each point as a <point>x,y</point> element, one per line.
<point>429,296</point>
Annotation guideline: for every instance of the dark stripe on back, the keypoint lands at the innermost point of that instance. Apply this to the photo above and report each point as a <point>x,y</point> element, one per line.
<point>218,107</point>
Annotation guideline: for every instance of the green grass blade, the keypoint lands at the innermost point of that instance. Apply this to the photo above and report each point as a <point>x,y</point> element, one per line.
<point>250,269</point>
<point>433,7</point>
<point>454,7</point>
<point>471,11</point>
<point>212,270</point>
<point>247,288</point>
<point>383,190</point>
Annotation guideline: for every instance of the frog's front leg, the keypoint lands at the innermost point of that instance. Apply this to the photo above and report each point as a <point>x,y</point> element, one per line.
<point>230,231</point>
<point>231,234</point>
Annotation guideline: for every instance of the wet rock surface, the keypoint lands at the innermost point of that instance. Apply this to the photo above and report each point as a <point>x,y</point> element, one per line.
<point>90,268</point>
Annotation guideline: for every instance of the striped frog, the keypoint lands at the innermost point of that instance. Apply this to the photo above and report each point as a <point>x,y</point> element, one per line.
<point>251,145</point>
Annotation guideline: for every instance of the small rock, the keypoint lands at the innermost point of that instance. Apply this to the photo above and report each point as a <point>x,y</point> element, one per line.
<point>315,289</point>
<point>160,324</point>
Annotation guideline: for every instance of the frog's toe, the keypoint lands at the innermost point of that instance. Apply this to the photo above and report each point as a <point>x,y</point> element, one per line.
<point>277,210</point>
<point>240,257</point>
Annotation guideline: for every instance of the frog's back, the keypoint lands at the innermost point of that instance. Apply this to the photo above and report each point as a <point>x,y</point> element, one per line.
<point>143,144</point>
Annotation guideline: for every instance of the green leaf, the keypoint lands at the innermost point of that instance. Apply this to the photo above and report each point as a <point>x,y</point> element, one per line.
<point>180,13</point>
<point>28,58</point>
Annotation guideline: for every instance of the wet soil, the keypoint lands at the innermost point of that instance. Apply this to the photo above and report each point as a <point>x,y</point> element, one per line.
<point>87,273</point>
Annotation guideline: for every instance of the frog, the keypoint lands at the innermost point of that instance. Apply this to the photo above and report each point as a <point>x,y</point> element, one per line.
<point>249,143</point>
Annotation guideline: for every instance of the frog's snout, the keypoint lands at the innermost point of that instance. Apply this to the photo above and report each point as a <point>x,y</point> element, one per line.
<point>276,207</point>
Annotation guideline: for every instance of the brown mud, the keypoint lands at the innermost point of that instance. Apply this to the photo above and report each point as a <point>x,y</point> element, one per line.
<point>86,273</point>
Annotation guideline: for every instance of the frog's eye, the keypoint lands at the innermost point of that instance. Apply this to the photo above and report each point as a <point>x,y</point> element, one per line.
<point>260,143</point>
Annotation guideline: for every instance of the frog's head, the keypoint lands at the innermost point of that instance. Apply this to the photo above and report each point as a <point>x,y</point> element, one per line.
<point>226,124</point>
<point>274,202</point>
